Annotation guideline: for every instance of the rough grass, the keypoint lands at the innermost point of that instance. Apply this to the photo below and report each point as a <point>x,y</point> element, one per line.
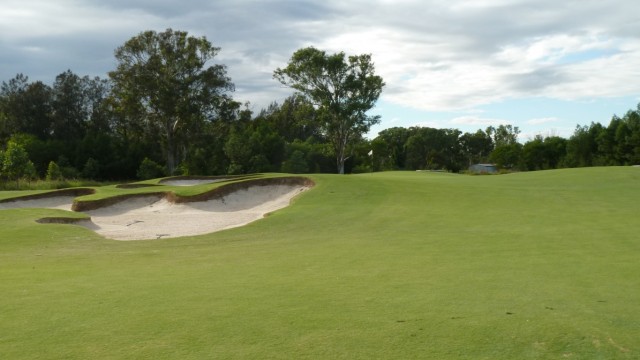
<point>47,184</point>
<point>388,265</point>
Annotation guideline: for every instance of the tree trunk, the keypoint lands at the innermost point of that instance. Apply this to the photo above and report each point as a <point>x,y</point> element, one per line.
<point>171,152</point>
<point>171,162</point>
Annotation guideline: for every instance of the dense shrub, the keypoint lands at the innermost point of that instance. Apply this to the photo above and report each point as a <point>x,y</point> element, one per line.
<point>296,164</point>
<point>53,172</point>
<point>149,169</point>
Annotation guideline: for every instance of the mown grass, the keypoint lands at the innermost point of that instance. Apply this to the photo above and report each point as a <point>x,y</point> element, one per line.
<point>389,265</point>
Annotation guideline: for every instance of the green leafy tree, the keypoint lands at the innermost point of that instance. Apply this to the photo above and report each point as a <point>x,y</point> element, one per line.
<point>25,107</point>
<point>70,113</point>
<point>2,176</point>
<point>433,149</point>
<point>503,134</point>
<point>317,155</point>
<point>238,149</point>
<point>30,172</point>
<point>582,147</point>
<point>507,150</point>
<point>389,149</point>
<point>53,172</point>
<point>342,88</point>
<point>295,119</point>
<point>533,155</point>
<point>296,164</point>
<point>165,82</point>
<point>476,147</point>
<point>555,151</point>
<point>16,163</point>
<point>91,169</point>
<point>506,156</point>
<point>149,169</point>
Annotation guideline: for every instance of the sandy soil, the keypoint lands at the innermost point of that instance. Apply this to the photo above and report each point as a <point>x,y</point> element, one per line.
<point>150,218</point>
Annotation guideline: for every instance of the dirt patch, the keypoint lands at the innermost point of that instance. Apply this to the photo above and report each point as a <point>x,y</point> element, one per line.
<point>64,220</point>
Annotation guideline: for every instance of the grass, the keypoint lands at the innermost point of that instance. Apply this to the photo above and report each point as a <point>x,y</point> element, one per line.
<point>46,184</point>
<point>397,265</point>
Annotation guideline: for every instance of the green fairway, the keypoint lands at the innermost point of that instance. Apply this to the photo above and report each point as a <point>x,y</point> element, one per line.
<point>396,265</point>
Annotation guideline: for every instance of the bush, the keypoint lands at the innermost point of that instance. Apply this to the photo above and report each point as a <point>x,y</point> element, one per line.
<point>149,169</point>
<point>259,163</point>
<point>15,162</point>
<point>297,164</point>
<point>235,169</point>
<point>360,169</point>
<point>1,164</point>
<point>53,172</point>
<point>91,169</point>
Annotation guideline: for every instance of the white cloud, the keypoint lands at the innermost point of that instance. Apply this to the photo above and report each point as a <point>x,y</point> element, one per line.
<point>478,121</point>
<point>435,55</point>
<point>429,124</point>
<point>475,57</point>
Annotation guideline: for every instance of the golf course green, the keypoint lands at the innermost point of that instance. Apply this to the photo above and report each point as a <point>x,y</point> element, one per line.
<point>392,265</point>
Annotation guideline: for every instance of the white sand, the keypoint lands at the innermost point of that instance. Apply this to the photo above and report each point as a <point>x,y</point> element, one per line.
<point>54,202</point>
<point>150,218</point>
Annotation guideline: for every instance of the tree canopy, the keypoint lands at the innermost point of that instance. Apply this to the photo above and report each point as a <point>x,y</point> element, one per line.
<point>343,89</point>
<point>165,81</point>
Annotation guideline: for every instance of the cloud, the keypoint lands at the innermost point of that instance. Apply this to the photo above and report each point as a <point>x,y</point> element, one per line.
<point>429,124</point>
<point>477,121</point>
<point>433,55</point>
<point>459,55</point>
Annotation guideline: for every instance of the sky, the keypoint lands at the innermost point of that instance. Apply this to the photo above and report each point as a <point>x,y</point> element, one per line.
<point>544,66</point>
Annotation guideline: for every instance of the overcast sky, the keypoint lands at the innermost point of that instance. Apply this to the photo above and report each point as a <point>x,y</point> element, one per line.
<point>542,65</point>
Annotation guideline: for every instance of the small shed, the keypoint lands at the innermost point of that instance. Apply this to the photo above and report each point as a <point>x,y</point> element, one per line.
<point>483,169</point>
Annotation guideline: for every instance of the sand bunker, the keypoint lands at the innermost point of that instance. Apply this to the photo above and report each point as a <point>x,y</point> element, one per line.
<point>155,217</point>
<point>149,218</point>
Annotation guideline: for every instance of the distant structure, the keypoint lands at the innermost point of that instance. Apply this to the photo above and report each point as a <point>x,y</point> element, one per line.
<point>483,169</point>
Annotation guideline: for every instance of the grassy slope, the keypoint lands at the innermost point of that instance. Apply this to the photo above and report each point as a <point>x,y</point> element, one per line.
<point>387,265</point>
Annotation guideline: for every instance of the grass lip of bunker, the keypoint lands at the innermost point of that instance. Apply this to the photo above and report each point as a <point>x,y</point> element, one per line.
<point>188,180</point>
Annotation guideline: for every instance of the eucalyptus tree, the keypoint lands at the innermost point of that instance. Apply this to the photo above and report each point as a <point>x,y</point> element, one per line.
<point>342,88</point>
<point>476,147</point>
<point>433,149</point>
<point>166,81</point>
<point>389,151</point>
<point>295,118</point>
<point>503,134</point>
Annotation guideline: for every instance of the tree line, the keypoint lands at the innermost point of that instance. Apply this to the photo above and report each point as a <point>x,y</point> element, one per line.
<point>167,110</point>
<point>423,148</point>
